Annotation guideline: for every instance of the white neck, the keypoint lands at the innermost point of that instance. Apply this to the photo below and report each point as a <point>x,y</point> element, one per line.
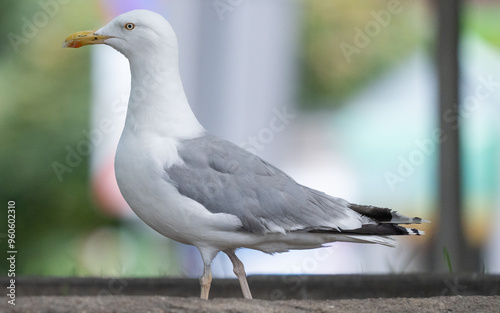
<point>157,100</point>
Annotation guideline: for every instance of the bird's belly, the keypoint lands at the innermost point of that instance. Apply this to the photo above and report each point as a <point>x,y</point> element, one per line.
<point>145,186</point>
<point>162,215</point>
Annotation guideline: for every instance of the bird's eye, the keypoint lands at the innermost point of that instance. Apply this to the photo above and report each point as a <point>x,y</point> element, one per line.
<point>129,26</point>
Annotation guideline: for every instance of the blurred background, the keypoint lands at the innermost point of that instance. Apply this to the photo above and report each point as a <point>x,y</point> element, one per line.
<point>342,95</point>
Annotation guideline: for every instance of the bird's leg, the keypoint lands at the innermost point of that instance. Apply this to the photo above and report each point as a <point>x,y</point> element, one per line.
<point>207,255</point>
<point>206,281</point>
<point>239,270</point>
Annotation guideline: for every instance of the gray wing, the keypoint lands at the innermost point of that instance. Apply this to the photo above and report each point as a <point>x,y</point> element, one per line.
<point>227,179</point>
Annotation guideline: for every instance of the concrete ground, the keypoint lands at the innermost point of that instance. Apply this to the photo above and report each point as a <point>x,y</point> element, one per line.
<point>325,293</point>
<point>159,304</point>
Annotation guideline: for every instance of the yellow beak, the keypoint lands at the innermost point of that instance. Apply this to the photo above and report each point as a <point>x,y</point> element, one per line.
<point>84,38</point>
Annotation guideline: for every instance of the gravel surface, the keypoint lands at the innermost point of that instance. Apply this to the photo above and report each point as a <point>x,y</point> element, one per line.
<point>158,304</point>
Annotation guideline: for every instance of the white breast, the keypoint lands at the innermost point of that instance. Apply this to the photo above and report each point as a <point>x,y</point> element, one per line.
<point>139,167</point>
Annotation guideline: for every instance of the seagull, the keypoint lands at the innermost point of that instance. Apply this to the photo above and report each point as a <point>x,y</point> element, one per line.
<point>201,190</point>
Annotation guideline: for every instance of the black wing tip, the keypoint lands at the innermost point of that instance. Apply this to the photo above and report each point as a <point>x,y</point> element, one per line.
<point>381,229</point>
<point>378,214</point>
<point>385,215</point>
<point>416,232</point>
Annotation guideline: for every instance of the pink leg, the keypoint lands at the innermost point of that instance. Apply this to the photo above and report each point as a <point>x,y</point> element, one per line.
<point>239,270</point>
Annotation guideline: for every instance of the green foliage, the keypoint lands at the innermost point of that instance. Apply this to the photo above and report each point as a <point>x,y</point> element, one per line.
<point>328,75</point>
<point>43,108</point>
<point>447,259</point>
<point>483,20</point>
<point>7,21</point>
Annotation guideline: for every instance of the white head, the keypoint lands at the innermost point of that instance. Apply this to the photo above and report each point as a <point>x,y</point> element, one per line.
<point>135,32</point>
<point>157,99</point>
